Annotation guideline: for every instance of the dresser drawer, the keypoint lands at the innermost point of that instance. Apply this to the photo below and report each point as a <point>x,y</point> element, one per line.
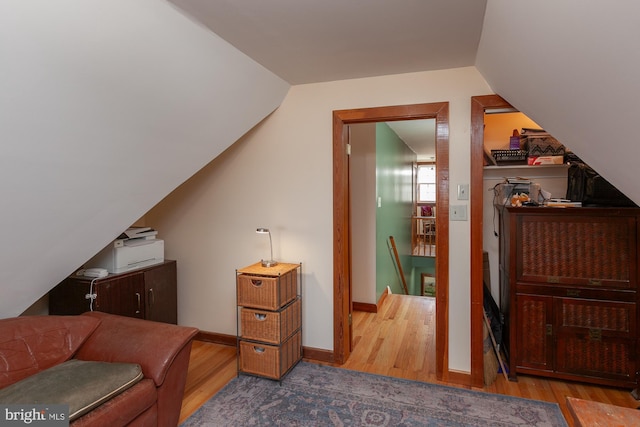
<point>597,251</point>
<point>270,326</point>
<point>270,361</point>
<point>606,357</point>
<point>596,318</point>
<point>596,338</point>
<point>267,292</point>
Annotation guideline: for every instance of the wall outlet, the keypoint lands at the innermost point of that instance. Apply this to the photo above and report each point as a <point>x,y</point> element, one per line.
<point>458,212</point>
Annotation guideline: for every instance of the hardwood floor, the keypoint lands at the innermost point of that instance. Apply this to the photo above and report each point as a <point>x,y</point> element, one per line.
<point>211,367</point>
<point>397,341</point>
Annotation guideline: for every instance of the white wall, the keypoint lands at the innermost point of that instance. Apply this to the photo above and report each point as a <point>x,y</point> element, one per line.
<point>280,176</point>
<point>106,107</point>
<point>362,166</point>
<point>572,66</point>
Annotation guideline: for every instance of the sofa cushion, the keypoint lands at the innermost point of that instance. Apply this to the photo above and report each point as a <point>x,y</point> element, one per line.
<point>29,344</point>
<point>153,345</point>
<point>136,406</point>
<point>80,384</point>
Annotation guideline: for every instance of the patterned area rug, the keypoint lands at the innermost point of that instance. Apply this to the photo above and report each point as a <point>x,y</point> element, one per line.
<point>314,395</point>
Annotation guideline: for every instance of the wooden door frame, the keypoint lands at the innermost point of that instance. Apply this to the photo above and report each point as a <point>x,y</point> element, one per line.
<point>479,104</point>
<point>342,229</point>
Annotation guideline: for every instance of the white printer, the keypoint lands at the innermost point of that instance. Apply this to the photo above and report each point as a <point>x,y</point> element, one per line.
<point>129,253</point>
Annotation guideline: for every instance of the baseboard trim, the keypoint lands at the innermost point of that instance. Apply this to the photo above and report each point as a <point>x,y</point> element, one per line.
<point>317,354</point>
<point>386,292</point>
<point>216,338</point>
<point>366,307</point>
<point>310,353</point>
<point>459,378</point>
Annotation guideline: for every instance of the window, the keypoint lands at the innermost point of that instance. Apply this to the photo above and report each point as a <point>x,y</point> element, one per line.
<point>426,182</point>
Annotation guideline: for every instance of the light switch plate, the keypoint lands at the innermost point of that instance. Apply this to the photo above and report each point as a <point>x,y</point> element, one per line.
<point>463,191</point>
<point>458,212</point>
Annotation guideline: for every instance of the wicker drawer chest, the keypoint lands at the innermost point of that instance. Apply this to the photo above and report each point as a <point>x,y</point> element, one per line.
<point>569,293</point>
<point>269,301</point>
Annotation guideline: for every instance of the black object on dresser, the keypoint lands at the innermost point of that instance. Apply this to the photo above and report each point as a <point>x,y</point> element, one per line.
<point>147,293</point>
<point>569,293</point>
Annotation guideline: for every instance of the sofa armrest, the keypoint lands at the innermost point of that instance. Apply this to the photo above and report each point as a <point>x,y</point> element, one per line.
<point>153,345</point>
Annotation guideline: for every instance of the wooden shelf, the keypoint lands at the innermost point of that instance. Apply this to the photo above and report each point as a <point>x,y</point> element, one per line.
<point>562,166</point>
<point>526,171</point>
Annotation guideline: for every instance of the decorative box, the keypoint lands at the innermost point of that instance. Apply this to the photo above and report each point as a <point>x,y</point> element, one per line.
<point>543,145</point>
<point>545,160</point>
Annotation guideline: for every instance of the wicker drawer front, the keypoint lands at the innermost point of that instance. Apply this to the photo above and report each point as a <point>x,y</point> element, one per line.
<point>598,252</point>
<point>268,360</point>
<point>270,326</point>
<point>269,293</point>
<point>602,357</point>
<point>599,318</point>
<point>596,338</point>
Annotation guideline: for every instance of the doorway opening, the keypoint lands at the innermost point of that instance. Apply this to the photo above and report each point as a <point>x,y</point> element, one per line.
<point>342,215</point>
<point>392,204</point>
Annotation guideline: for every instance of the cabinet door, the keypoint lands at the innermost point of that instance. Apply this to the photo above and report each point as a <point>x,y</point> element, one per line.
<point>596,338</point>
<point>596,250</point>
<point>161,293</point>
<point>122,295</point>
<point>69,297</point>
<point>534,332</point>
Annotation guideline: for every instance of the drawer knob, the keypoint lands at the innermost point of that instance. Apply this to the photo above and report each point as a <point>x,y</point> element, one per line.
<point>256,282</point>
<point>260,316</point>
<point>258,349</point>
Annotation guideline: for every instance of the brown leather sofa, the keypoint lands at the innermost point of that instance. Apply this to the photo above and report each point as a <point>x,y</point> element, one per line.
<point>31,345</point>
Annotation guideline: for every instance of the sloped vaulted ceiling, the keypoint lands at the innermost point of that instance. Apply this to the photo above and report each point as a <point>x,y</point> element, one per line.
<point>105,108</point>
<point>328,40</point>
<point>568,64</point>
<point>571,66</point>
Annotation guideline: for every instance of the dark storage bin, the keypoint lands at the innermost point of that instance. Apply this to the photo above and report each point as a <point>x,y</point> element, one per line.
<point>587,186</point>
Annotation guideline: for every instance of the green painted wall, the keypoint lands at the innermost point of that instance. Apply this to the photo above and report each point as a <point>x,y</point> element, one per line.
<point>419,265</point>
<point>394,188</point>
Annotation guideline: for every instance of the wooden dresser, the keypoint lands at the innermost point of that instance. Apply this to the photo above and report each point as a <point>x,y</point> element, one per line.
<point>146,293</point>
<point>569,293</point>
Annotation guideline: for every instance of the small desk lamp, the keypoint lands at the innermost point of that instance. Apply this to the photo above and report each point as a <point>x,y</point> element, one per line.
<point>270,262</point>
